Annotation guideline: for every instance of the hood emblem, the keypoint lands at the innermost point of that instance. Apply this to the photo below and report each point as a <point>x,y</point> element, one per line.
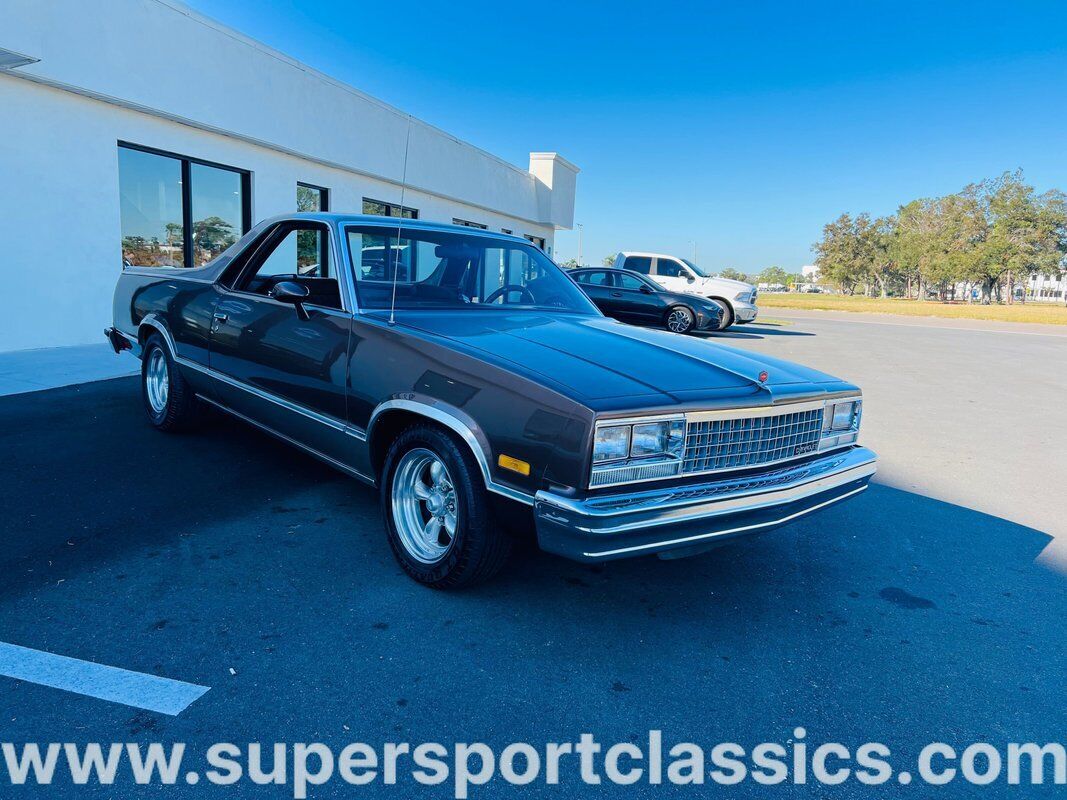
<point>763,376</point>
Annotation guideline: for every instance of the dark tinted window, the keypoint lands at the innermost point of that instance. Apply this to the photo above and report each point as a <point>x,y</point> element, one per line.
<point>594,278</point>
<point>217,208</point>
<point>312,198</point>
<point>380,209</point>
<point>624,281</point>
<point>642,264</point>
<point>150,204</point>
<point>156,188</point>
<point>669,268</point>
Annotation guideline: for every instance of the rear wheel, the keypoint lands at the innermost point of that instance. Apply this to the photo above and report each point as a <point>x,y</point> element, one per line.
<point>169,402</point>
<point>437,513</point>
<point>680,319</point>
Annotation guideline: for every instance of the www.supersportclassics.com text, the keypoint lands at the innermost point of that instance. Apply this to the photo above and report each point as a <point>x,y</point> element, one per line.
<point>468,765</point>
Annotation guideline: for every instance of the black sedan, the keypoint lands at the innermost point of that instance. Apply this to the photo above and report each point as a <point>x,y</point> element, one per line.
<point>631,297</point>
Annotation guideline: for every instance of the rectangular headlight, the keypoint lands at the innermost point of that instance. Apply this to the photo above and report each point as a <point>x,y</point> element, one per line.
<point>611,443</point>
<point>841,418</point>
<point>844,416</point>
<point>658,438</point>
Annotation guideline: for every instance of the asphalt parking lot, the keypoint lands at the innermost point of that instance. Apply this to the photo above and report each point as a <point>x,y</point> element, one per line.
<point>930,608</point>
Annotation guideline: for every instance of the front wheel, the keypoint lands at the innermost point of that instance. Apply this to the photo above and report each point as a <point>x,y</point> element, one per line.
<point>437,511</point>
<point>680,319</point>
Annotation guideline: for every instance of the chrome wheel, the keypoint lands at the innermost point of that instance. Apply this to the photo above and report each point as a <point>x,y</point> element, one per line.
<point>424,506</point>
<point>680,320</point>
<point>157,381</point>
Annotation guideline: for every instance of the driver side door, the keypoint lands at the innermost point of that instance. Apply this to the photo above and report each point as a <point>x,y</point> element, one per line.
<point>284,372</point>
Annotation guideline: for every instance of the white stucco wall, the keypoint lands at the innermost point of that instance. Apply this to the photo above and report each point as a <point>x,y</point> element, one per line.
<point>101,80</point>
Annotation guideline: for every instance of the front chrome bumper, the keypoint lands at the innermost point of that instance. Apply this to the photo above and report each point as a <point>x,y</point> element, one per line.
<point>745,312</point>
<point>696,516</point>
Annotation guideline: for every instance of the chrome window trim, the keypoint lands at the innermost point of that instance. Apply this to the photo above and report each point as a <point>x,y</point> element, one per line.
<point>343,277</point>
<point>722,414</point>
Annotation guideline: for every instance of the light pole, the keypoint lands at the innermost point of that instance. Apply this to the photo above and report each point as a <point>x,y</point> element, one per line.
<point>579,244</point>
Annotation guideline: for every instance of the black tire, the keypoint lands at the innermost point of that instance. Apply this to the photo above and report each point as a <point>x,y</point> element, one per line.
<point>181,411</point>
<point>480,546</point>
<point>728,313</point>
<point>680,308</point>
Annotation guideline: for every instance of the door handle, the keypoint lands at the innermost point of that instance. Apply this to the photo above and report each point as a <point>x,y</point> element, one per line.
<point>616,294</point>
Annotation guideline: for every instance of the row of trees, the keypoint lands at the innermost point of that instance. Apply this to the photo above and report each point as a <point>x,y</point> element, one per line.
<point>989,236</point>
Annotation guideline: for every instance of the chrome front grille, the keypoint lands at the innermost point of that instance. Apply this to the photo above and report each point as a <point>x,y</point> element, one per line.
<point>719,444</point>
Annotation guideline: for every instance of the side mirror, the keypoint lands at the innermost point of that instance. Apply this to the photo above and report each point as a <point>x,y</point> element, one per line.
<point>646,289</point>
<point>691,279</point>
<point>294,293</point>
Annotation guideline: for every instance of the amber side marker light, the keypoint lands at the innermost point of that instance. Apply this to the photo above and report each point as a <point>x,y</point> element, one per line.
<point>514,464</point>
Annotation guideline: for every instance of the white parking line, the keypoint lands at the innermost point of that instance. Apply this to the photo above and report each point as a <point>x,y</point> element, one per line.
<point>116,685</point>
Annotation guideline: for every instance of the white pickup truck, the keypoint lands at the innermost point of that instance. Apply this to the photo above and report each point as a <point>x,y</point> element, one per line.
<point>682,275</point>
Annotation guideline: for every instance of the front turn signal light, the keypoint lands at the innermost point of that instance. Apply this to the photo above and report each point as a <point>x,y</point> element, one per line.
<point>514,464</point>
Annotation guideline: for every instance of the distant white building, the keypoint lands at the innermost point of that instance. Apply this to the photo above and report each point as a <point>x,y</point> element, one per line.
<point>144,132</point>
<point>1047,288</point>
<point>810,273</point>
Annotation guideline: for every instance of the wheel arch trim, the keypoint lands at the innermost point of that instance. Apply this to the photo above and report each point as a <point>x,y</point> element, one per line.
<point>453,419</point>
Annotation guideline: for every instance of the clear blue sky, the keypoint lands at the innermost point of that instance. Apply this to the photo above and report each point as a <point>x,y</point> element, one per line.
<point>743,126</point>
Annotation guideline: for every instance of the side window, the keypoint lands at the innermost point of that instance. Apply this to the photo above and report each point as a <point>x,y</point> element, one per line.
<point>624,281</point>
<point>642,264</point>
<point>302,252</point>
<point>669,268</point>
<point>595,278</point>
<point>302,255</point>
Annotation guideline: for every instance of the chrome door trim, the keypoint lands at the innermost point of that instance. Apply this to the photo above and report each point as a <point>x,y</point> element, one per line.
<point>333,462</point>
<point>323,419</point>
<point>454,423</point>
<point>288,405</point>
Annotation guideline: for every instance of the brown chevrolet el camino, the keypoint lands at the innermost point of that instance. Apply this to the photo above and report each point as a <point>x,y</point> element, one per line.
<point>465,376</point>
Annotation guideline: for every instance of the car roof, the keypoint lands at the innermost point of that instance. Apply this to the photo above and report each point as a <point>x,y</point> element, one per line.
<point>341,218</point>
<point>627,253</point>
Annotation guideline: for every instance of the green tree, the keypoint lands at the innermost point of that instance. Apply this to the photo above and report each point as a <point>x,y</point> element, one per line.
<point>1025,233</point>
<point>211,236</point>
<point>841,253</point>
<point>734,275</point>
<point>772,275</point>
<point>608,261</point>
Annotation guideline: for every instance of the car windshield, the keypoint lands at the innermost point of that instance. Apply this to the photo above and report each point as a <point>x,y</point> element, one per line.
<point>698,270</point>
<point>446,269</point>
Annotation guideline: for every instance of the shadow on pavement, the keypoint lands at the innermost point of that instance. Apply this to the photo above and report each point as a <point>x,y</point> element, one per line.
<point>754,330</point>
<point>892,617</point>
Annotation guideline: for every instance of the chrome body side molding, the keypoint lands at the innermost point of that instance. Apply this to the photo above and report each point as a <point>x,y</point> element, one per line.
<point>333,462</point>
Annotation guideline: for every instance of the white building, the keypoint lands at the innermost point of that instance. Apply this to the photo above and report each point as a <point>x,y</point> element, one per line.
<point>141,130</point>
<point>1047,288</point>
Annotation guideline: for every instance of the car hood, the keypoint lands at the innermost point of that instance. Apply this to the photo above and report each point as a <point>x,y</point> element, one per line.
<point>596,358</point>
<point>727,284</point>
